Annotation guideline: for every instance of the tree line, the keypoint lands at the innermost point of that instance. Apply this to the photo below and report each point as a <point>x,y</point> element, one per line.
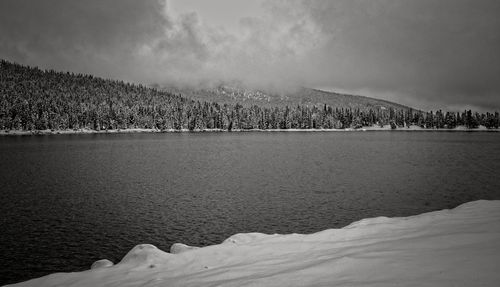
<point>35,99</point>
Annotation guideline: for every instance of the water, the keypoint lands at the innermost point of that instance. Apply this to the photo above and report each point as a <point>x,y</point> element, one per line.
<point>69,200</point>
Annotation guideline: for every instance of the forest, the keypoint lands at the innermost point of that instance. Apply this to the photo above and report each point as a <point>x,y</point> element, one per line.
<point>34,99</point>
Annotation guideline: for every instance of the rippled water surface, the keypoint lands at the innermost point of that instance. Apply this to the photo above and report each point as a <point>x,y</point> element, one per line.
<point>69,200</point>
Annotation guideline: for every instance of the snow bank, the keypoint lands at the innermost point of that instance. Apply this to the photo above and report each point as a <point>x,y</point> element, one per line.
<point>459,247</point>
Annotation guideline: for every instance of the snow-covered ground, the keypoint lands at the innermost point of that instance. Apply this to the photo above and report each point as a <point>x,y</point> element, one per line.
<point>459,247</point>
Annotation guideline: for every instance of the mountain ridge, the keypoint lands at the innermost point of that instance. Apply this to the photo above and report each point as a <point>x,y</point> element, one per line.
<point>227,94</point>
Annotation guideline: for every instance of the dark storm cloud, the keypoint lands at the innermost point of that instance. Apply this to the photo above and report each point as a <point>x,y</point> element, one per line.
<point>428,54</point>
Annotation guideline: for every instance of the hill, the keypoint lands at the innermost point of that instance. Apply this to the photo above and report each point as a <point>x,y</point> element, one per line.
<point>302,96</point>
<point>32,99</point>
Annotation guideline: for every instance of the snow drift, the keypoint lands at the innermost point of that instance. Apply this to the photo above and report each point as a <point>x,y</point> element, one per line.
<point>459,247</point>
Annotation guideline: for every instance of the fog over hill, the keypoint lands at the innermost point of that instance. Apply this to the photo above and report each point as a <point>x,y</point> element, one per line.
<point>232,94</point>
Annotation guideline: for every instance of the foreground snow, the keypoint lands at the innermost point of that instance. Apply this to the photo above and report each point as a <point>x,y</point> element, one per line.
<point>459,247</point>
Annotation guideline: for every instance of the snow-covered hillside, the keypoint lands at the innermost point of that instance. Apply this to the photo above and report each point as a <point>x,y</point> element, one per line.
<point>233,94</point>
<point>459,247</point>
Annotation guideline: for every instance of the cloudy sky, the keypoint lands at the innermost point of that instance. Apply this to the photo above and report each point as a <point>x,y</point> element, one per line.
<point>423,53</point>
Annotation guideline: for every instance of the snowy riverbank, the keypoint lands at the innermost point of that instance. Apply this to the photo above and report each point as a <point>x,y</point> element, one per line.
<point>458,247</point>
<point>123,131</point>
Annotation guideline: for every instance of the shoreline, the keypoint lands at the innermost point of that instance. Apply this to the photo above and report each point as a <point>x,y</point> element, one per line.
<point>139,130</point>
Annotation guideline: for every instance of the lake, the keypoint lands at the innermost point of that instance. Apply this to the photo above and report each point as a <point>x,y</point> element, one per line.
<point>69,200</point>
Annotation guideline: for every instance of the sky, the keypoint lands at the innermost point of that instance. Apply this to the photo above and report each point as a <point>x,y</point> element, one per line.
<point>428,54</point>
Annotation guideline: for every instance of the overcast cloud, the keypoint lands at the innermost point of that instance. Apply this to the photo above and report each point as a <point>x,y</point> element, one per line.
<point>427,54</point>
